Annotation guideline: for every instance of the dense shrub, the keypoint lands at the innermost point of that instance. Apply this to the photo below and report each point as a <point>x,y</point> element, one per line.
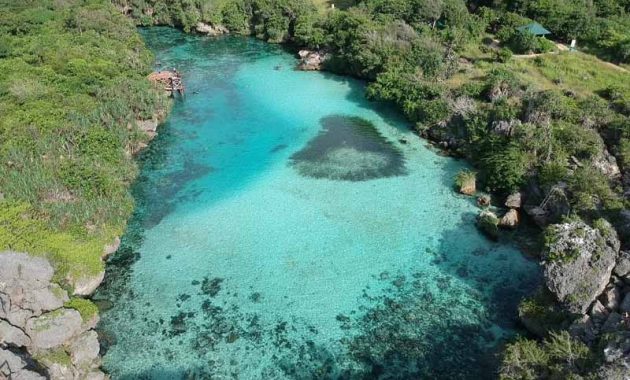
<point>558,357</point>
<point>73,79</point>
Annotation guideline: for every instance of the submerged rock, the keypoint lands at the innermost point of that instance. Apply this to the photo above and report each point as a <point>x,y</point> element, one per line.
<point>349,149</point>
<point>578,262</point>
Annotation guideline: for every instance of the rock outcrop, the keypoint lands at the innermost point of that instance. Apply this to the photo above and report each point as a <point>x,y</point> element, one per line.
<point>578,262</point>
<point>26,290</point>
<point>40,338</point>
<point>312,60</point>
<point>552,209</point>
<point>514,200</point>
<point>211,30</point>
<point>511,219</point>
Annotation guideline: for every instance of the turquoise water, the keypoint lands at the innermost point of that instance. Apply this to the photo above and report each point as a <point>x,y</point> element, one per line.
<point>286,228</point>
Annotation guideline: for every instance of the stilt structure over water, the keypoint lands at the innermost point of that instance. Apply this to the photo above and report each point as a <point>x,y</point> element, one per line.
<point>170,80</point>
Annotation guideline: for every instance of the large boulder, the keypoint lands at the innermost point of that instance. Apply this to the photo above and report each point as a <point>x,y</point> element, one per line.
<point>84,349</point>
<point>578,262</point>
<point>488,223</point>
<point>16,366</point>
<point>25,288</point>
<point>312,60</point>
<point>514,200</point>
<point>510,219</point>
<point>623,264</point>
<point>607,164</point>
<point>12,336</point>
<point>211,30</point>
<point>622,224</point>
<point>87,285</point>
<point>616,355</point>
<point>53,329</point>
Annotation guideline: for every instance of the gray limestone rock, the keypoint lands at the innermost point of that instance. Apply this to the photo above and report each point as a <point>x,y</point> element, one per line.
<point>85,348</point>
<point>611,298</point>
<point>15,367</point>
<point>25,288</point>
<point>13,336</point>
<point>623,264</point>
<point>578,262</point>
<point>53,329</point>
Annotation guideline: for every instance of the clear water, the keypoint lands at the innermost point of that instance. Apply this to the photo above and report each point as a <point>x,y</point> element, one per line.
<point>286,228</point>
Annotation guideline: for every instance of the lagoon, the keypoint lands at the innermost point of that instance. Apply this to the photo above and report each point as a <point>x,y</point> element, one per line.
<point>287,228</point>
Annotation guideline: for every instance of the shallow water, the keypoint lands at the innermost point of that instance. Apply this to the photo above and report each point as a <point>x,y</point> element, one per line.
<point>287,228</point>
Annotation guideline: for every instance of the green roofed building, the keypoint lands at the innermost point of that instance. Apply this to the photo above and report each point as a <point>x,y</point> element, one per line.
<point>534,28</point>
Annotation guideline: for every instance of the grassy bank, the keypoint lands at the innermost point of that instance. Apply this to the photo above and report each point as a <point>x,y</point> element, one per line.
<point>72,85</point>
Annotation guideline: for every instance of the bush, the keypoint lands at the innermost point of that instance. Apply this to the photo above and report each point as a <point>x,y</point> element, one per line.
<point>504,166</point>
<point>85,307</point>
<point>465,181</point>
<point>504,55</point>
<point>545,46</point>
<point>558,357</point>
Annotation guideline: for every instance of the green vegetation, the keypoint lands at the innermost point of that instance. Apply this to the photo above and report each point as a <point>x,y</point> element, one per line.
<point>466,180</point>
<point>58,356</point>
<point>541,311</point>
<point>73,85</point>
<point>558,357</point>
<point>86,308</point>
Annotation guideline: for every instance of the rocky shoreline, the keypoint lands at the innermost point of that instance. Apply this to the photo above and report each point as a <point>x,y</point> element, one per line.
<point>46,331</point>
<point>43,333</point>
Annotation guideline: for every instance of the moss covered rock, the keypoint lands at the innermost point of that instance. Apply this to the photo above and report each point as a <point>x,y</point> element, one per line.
<point>488,223</point>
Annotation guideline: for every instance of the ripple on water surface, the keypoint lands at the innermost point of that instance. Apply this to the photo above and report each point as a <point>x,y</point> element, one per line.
<point>285,228</point>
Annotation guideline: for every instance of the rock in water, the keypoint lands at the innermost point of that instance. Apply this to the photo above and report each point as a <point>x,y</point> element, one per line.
<point>488,223</point>
<point>578,262</point>
<point>510,219</point>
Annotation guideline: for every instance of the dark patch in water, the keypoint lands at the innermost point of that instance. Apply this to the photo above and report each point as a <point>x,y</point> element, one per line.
<point>349,149</point>
<point>211,287</point>
<point>278,148</point>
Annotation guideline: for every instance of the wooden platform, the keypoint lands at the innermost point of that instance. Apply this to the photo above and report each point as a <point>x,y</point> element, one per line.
<point>171,81</point>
